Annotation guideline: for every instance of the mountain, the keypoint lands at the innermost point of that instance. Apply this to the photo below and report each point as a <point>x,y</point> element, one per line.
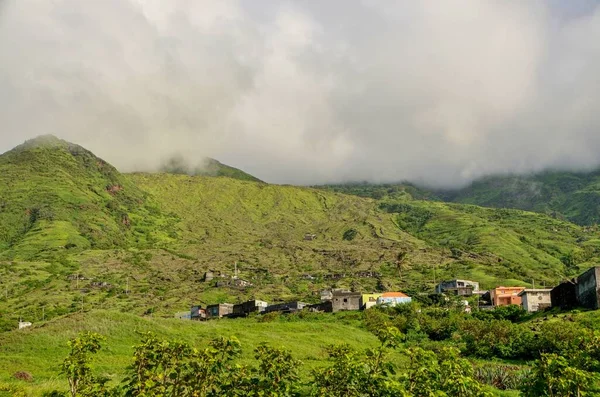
<point>75,233</point>
<point>207,167</point>
<point>574,196</point>
<point>58,197</point>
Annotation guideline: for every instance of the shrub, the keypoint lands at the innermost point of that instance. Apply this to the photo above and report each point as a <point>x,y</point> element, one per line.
<point>24,376</point>
<point>552,375</point>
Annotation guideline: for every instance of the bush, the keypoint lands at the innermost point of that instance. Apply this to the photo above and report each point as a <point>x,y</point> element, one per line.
<point>552,375</point>
<point>24,376</point>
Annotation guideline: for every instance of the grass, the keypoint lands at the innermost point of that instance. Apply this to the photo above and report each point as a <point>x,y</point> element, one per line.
<point>64,211</point>
<point>40,350</point>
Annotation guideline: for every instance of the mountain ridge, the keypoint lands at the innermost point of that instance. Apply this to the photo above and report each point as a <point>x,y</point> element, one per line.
<point>142,242</point>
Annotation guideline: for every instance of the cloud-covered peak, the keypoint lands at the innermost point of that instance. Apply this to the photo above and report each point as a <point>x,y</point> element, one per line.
<point>309,92</point>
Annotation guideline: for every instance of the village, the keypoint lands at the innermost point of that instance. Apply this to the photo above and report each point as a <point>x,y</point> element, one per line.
<point>581,291</point>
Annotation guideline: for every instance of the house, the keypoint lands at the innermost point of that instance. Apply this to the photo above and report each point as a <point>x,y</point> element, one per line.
<point>183,316</point>
<point>457,287</point>
<point>588,289</point>
<point>582,291</point>
<point>564,295</point>
<point>326,306</point>
<point>197,313</point>
<point>24,324</point>
<point>504,296</point>
<point>241,283</point>
<point>288,307</point>
<point>533,300</point>
<point>208,276</point>
<point>253,306</point>
<point>326,295</point>
<point>368,300</point>
<point>343,300</point>
<point>393,298</point>
<point>219,310</point>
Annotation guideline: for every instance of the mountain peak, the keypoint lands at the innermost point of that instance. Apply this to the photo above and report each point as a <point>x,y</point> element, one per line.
<point>44,141</point>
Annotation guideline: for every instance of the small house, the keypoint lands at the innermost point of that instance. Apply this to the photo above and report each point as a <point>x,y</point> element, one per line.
<point>457,287</point>
<point>241,283</point>
<point>325,306</point>
<point>564,295</point>
<point>504,296</point>
<point>24,324</point>
<point>197,313</point>
<point>288,307</point>
<point>253,306</point>
<point>343,301</point>
<point>209,276</point>
<point>588,285</point>
<point>219,310</point>
<point>393,299</point>
<point>369,300</point>
<point>533,300</point>
<point>326,295</point>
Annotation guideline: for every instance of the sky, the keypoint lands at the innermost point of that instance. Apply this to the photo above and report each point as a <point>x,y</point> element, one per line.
<point>308,92</point>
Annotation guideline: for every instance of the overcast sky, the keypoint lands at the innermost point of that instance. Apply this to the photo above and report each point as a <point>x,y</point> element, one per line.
<point>306,92</point>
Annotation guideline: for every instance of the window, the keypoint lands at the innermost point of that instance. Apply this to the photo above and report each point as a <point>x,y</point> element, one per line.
<point>345,300</point>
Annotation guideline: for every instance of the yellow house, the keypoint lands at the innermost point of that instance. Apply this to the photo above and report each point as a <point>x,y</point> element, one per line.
<point>369,300</point>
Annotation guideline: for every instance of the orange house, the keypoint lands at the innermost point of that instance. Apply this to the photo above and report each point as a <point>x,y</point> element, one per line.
<point>503,296</point>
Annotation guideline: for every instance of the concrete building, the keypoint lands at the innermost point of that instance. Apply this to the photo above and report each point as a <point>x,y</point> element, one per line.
<point>588,289</point>
<point>288,307</point>
<point>253,306</point>
<point>369,300</point>
<point>564,295</point>
<point>393,298</point>
<point>197,313</point>
<point>325,306</point>
<point>504,296</point>
<point>533,300</point>
<point>343,301</point>
<point>219,310</point>
<point>457,287</point>
<point>24,324</point>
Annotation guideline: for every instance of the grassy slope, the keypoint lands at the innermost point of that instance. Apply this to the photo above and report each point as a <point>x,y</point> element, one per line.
<point>181,226</point>
<point>40,350</point>
<point>57,197</point>
<point>572,195</point>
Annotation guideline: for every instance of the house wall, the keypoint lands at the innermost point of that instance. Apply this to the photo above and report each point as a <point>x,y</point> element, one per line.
<point>533,301</point>
<point>343,302</point>
<point>503,296</point>
<point>564,295</point>
<point>588,291</point>
<point>454,284</point>
<point>216,311</point>
<point>393,301</point>
<point>285,307</point>
<point>368,300</point>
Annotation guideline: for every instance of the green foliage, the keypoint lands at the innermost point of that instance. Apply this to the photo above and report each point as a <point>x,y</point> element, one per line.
<point>442,374</point>
<point>552,375</point>
<point>77,366</point>
<point>350,234</point>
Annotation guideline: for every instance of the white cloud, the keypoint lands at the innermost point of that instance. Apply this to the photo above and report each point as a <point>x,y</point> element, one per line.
<point>308,92</point>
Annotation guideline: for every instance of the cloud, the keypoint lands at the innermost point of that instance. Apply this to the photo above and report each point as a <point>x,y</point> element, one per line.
<point>309,92</point>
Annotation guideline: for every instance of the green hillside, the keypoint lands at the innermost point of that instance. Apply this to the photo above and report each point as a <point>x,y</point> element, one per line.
<point>58,198</point>
<point>568,195</point>
<point>40,351</point>
<point>207,167</point>
<point>75,233</point>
